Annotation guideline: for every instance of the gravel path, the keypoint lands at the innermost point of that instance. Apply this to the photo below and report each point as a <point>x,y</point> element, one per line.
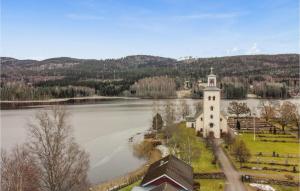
<point>233,178</point>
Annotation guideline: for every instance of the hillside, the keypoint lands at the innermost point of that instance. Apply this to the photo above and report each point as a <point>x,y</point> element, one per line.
<point>139,66</point>
<point>111,77</point>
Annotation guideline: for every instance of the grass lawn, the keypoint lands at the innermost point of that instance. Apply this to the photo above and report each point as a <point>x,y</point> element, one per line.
<point>129,187</point>
<point>267,148</point>
<point>203,164</point>
<point>211,184</point>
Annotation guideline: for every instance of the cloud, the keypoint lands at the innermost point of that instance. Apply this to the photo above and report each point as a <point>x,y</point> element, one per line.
<point>83,17</point>
<point>254,49</point>
<point>233,51</point>
<point>207,16</point>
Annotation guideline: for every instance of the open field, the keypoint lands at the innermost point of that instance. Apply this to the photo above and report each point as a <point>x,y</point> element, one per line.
<point>278,165</point>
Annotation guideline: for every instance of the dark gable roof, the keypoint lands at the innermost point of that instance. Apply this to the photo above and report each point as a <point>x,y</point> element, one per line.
<point>174,168</point>
<point>164,187</point>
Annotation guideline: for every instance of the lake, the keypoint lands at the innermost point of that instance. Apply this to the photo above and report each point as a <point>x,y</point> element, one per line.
<point>101,129</point>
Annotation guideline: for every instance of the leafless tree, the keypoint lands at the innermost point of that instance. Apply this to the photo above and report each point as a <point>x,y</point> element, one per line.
<point>19,171</point>
<point>286,114</point>
<point>184,109</point>
<point>238,109</point>
<point>169,116</point>
<point>155,87</point>
<point>63,164</point>
<point>268,111</point>
<point>198,106</point>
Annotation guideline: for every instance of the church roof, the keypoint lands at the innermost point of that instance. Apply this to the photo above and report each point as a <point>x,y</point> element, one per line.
<point>211,88</point>
<point>222,113</point>
<point>190,119</point>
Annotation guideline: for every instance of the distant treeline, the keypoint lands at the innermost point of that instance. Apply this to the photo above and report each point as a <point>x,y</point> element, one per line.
<point>155,87</point>
<point>271,90</point>
<point>20,91</point>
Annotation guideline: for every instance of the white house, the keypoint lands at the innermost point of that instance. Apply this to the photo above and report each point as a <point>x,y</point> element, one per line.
<point>210,122</point>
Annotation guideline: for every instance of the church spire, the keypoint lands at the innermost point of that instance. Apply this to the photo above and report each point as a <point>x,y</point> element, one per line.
<point>212,80</point>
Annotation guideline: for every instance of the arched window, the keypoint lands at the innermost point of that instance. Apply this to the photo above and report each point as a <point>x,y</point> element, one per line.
<point>221,119</point>
<point>211,108</point>
<point>211,125</point>
<point>211,116</point>
<point>209,98</point>
<point>214,97</point>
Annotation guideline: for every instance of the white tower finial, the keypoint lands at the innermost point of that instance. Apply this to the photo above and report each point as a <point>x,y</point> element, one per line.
<point>211,70</point>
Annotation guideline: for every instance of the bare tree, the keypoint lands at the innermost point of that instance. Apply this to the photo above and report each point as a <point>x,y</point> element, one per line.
<point>19,171</point>
<point>241,151</point>
<point>198,106</point>
<point>169,118</point>
<point>184,109</point>
<point>296,120</point>
<point>63,164</point>
<point>238,109</point>
<point>268,111</point>
<point>286,114</point>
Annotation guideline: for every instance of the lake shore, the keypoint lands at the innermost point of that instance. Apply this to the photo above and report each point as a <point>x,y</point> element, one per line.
<point>28,104</point>
<point>23,104</point>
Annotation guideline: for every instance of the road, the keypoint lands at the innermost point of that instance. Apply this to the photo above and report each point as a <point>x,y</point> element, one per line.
<point>233,178</point>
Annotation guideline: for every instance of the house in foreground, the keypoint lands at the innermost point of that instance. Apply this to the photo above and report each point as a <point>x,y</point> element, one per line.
<point>168,174</point>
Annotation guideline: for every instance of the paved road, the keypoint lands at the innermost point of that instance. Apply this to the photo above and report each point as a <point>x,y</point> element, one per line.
<point>233,178</point>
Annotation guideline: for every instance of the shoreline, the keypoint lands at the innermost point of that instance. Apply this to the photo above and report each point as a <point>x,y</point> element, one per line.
<point>27,104</point>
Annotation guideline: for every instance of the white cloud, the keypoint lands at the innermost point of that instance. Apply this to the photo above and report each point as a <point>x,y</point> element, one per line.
<point>207,16</point>
<point>254,49</point>
<point>83,17</point>
<point>233,51</point>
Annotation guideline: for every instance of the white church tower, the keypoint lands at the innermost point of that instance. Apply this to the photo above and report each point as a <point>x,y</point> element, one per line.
<point>211,108</point>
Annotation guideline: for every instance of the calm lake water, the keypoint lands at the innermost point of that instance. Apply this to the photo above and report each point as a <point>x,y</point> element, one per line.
<point>101,129</point>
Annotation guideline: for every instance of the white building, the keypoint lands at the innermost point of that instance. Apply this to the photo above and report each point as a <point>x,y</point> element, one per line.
<point>210,122</point>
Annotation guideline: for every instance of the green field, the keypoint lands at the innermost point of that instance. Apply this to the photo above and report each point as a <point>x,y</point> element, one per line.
<point>267,149</point>
<point>204,163</point>
<point>211,184</point>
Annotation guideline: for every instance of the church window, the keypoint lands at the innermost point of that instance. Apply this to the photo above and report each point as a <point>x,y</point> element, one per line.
<point>201,119</point>
<point>214,97</point>
<point>211,125</point>
<point>209,98</point>
<point>211,108</point>
<point>220,119</point>
<point>211,116</point>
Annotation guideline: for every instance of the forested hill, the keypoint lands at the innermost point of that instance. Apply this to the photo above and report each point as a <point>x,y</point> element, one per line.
<point>140,66</point>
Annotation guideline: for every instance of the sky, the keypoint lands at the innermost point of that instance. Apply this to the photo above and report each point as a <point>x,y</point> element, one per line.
<point>100,29</point>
